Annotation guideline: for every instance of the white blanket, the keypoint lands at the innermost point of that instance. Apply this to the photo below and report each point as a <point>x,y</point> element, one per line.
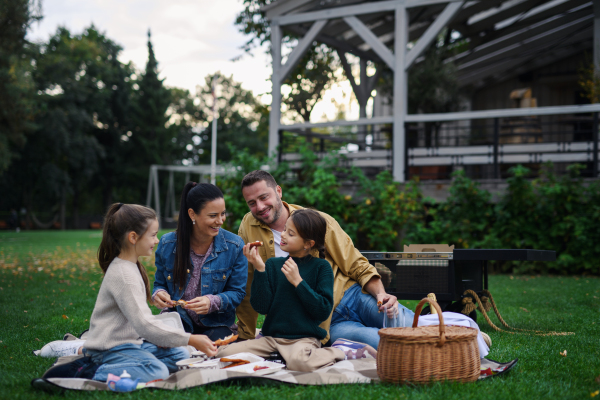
<point>456,319</point>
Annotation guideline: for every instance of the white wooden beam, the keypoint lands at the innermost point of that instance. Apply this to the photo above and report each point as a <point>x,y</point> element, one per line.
<point>301,49</point>
<point>597,36</point>
<point>277,8</point>
<point>431,33</point>
<point>512,112</point>
<point>400,107</point>
<point>275,114</point>
<point>356,122</point>
<point>421,3</point>
<point>339,12</point>
<point>466,115</point>
<point>369,37</point>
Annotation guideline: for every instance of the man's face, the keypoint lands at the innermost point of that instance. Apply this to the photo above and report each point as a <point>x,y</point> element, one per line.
<point>264,202</point>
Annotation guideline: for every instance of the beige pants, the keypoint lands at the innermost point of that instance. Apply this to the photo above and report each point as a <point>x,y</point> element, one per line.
<point>304,354</point>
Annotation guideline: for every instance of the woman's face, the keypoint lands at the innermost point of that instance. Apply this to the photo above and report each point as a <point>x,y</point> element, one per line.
<point>210,219</point>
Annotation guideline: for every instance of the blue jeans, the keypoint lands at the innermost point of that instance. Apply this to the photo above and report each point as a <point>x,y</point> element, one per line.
<point>146,361</point>
<point>357,318</point>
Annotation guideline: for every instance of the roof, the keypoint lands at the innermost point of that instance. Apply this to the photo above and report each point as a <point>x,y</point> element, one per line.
<point>505,37</point>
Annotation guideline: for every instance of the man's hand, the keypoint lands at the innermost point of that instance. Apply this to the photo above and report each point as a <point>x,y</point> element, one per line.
<point>384,300</point>
<point>163,300</point>
<point>204,344</point>
<point>200,305</point>
<point>388,302</point>
<point>290,270</point>
<point>251,254</point>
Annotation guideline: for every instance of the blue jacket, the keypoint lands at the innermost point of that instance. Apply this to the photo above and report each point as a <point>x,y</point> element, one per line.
<point>224,273</point>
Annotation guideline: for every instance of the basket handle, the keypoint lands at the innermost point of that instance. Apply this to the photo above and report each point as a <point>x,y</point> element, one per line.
<point>434,304</point>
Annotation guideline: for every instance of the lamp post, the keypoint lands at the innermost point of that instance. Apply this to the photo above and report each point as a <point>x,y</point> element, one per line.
<point>213,147</point>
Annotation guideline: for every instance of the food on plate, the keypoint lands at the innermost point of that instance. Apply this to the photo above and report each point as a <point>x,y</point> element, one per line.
<point>226,340</point>
<point>258,243</point>
<point>235,362</point>
<point>258,367</point>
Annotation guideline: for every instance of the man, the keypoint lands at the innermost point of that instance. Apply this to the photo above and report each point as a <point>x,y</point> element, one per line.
<point>357,287</point>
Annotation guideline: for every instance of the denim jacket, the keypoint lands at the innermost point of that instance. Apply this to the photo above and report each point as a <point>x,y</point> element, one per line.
<point>224,273</point>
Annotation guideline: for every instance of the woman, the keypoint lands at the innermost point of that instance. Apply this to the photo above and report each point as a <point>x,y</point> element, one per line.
<point>201,264</point>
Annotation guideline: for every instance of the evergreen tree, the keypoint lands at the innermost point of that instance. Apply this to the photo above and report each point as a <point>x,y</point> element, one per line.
<point>151,137</point>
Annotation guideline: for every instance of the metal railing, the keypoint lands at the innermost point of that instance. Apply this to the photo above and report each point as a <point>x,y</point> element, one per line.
<point>484,143</point>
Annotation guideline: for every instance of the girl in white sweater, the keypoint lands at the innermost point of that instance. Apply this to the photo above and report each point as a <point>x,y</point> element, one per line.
<point>124,335</point>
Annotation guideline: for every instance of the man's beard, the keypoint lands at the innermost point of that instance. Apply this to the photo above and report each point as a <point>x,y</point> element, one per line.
<point>277,209</point>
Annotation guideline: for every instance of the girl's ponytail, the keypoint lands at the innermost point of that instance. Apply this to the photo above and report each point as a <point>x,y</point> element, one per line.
<point>110,246</point>
<point>322,252</point>
<point>119,220</point>
<point>184,235</point>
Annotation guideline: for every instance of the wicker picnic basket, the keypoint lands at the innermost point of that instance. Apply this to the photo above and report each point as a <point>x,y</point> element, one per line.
<point>428,353</point>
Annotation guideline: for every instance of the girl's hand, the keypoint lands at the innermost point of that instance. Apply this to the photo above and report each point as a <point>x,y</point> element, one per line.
<point>290,270</point>
<point>200,305</point>
<point>163,300</point>
<point>204,344</point>
<point>253,257</point>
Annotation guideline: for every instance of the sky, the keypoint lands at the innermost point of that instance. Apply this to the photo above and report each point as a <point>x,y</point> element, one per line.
<point>191,39</point>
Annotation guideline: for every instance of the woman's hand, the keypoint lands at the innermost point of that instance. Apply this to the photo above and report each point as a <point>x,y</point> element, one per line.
<point>251,254</point>
<point>204,344</point>
<point>290,270</point>
<point>163,300</point>
<point>200,305</point>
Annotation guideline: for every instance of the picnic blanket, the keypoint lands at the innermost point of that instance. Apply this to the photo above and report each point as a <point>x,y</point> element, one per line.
<point>350,371</point>
<point>343,372</point>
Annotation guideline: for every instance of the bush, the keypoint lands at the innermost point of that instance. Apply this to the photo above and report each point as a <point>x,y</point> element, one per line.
<point>548,213</point>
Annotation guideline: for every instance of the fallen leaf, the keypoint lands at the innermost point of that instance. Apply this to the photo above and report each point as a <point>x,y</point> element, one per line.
<point>65,317</point>
<point>24,310</point>
<point>597,378</point>
<point>524,309</point>
<point>35,339</point>
<point>564,353</point>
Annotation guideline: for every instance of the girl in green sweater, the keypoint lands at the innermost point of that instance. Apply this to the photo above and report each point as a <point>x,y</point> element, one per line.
<point>296,294</point>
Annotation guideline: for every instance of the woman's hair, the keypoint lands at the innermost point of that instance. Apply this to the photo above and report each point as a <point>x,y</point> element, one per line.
<point>311,226</point>
<point>118,222</point>
<point>194,196</point>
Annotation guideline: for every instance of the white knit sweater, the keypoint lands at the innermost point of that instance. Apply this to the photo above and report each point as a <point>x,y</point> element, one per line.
<point>122,315</point>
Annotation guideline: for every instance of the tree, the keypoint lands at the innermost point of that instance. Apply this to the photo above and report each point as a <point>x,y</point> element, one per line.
<point>79,83</point>
<point>16,86</point>
<point>242,120</point>
<point>312,76</point>
<point>152,99</point>
<point>309,80</point>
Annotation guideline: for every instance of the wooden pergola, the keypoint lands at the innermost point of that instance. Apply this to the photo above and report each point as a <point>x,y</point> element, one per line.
<point>506,37</point>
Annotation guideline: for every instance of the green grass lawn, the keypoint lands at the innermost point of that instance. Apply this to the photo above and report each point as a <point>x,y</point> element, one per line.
<point>49,281</point>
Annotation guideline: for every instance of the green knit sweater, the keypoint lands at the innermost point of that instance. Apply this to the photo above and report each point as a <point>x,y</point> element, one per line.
<point>294,312</point>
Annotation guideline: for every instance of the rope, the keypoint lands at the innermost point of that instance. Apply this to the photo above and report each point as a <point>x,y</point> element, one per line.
<point>468,305</point>
<point>485,303</point>
<point>481,308</point>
